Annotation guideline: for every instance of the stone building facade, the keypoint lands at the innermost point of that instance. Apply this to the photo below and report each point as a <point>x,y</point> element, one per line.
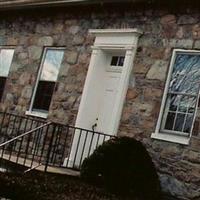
<point>164,29</point>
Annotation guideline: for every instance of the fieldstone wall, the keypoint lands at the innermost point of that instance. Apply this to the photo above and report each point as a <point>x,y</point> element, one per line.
<point>29,32</point>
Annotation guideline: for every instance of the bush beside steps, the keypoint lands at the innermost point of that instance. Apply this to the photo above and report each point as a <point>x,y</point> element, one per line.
<point>123,167</point>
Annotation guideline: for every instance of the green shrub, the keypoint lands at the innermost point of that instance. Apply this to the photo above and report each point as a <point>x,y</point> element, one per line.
<point>124,167</point>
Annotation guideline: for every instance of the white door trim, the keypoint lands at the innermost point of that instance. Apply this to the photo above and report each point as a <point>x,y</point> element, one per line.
<point>112,40</point>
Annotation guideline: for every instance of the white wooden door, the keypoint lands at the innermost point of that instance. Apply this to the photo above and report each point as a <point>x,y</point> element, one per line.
<point>84,143</point>
<point>105,115</point>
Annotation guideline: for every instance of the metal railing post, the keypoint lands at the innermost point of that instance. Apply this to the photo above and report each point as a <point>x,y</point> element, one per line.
<point>50,147</point>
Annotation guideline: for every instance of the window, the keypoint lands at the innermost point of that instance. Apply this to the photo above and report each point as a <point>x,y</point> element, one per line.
<point>6,56</point>
<point>46,81</point>
<point>117,61</point>
<point>181,96</point>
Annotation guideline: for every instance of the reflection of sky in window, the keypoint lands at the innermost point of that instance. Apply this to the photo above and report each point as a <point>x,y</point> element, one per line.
<point>6,56</point>
<point>186,74</point>
<point>51,66</point>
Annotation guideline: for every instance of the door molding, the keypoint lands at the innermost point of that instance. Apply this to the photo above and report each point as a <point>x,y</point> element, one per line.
<point>112,41</point>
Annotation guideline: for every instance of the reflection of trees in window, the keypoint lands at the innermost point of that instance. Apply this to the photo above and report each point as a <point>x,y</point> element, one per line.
<point>185,74</point>
<point>182,94</point>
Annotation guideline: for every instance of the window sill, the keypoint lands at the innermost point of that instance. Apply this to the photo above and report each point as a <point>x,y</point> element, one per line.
<point>36,114</point>
<point>171,138</point>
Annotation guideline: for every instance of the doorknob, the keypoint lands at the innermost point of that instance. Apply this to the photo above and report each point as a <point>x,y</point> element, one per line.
<point>93,126</point>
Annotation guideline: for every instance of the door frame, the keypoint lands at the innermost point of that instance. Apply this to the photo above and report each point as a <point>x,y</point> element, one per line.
<point>112,40</point>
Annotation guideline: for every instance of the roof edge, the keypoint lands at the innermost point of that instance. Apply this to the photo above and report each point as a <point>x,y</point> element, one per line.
<point>17,4</point>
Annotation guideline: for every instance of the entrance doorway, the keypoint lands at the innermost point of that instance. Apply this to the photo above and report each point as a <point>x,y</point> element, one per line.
<point>105,88</point>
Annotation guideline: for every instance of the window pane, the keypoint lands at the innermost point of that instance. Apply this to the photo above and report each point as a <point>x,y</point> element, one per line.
<point>121,61</point>
<point>51,65</point>
<point>117,61</point>
<point>186,74</point>
<point>173,101</point>
<point>2,85</point>
<point>43,95</point>
<point>191,104</point>
<point>6,56</point>
<point>114,60</point>
<point>170,121</point>
<point>184,104</point>
<point>179,122</point>
<point>188,123</point>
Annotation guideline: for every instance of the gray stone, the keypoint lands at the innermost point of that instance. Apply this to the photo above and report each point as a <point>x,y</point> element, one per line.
<point>24,62</point>
<point>24,78</point>
<point>34,52</point>
<point>149,41</point>
<point>27,92</point>
<point>64,69</point>
<point>2,31</point>
<point>22,56</point>
<point>45,41</point>
<point>168,19</point>
<point>191,156</point>
<point>10,97</point>
<point>58,28</point>
<point>74,29</point>
<point>197,44</point>
<point>2,40</point>
<point>15,66</point>
<point>78,39</point>
<point>158,70</point>
<point>179,43</point>
<point>72,57</point>
<point>143,108</point>
<point>12,41</point>
<point>19,49</point>
<point>186,19</point>
<point>172,186</point>
<point>23,40</point>
<point>44,28</point>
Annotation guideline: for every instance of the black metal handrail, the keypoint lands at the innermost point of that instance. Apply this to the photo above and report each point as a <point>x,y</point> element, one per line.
<point>24,134</point>
<point>26,149</point>
<point>12,125</point>
<point>71,145</point>
<point>31,142</point>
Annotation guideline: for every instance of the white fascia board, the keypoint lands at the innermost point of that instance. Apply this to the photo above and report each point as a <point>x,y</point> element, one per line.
<point>123,39</point>
<point>114,31</point>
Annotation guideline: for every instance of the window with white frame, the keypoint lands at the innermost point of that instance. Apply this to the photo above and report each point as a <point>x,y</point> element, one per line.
<point>116,63</point>
<point>181,94</point>
<point>46,80</point>
<point>6,56</point>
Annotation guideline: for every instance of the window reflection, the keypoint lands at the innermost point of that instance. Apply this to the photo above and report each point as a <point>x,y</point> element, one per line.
<point>6,56</point>
<point>182,94</point>
<point>186,74</point>
<point>47,80</point>
<point>51,65</point>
